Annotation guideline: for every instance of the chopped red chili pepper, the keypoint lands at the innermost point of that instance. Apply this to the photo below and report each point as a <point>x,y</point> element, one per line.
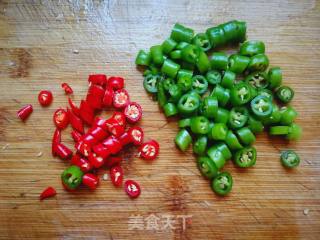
<point>48,192</point>
<point>125,139</point>
<point>95,160</point>
<point>98,133</point>
<point>86,112</point>
<point>116,175</point>
<point>108,97</point>
<point>101,150</point>
<point>75,122</point>
<point>100,122</point>
<point>100,79</point>
<point>136,134</point>
<point>25,112</point>
<point>61,118</point>
<point>116,82</point>
<point>89,139</point>
<point>112,144</point>
<point>133,112</point>
<point>83,148</point>
<point>67,89</point>
<point>120,118</point>
<point>90,180</point>
<point>149,150</point>
<point>112,161</point>
<point>74,108</point>
<point>95,96</point>
<point>132,188</point>
<point>114,128</point>
<point>63,151</point>
<point>56,139</point>
<point>45,98</point>
<point>81,162</point>
<point>121,98</point>
<point>76,136</point>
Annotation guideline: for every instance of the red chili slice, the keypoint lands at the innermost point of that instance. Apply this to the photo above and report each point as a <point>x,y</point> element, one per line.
<point>116,175</point>
<point>56,139</point>
<point>149,150</point>
<point>67,89</point>
<point>48,192</point>
<point>63,151</point>
<point>86,112</point>
<point>112,144</point>
<point>121,98</point>
<point>95,160</point>
<point>75,122</point>
<point>83,148</point>
<point>74,108</point>
<point>137,135</point>
<point>45,98</point>
<point>25,112</point>
<point>100,79</point>
<point>98,133</point>
<point>61,118</point>
<point>133,112</point>
<point>114,128</point>
<point>112,161</point>
<point>95,96</point>
<point>101,150</point>
<point>116,82</point>
<point>90,180</point>
<point>76,136</point>
<point>100,122</point>
<point>82,163</point>
<point>125,139</point>
<point>120,118</point>
<point>89,139</point>
<point>108,97</point>
<point>132,188</point>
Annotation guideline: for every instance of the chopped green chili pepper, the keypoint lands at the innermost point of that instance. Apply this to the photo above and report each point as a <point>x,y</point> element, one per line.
<point>245,157</point>
<point>188,104</point>
<point>222,116</point>
<point>170,68</point>
<point>216,156</point>
<point>219,131</point>
<point>162,98</point>
<point>154,69</point>
<point>175,93</point>
<point>238,63</point>
<point>72,177</point>
<point>186,122</point>
<point>181,45</point>
<point>265,92</point>
<point>181,33</point>
<point>289,159</point>
<point>219,61</point>
<point>258,80</point>
<point>183,140</point>
<point>232,141</point>
<point>170,109</point>
<point>143,58</point>
<point>168,45</point>
<point>274,77</point>
<point>255,125</point>
<point>213,77</point>
<point>207,167</point>
<point>190,53</point>
<point>211,124</point>
<point>200,145</point>
<point>168,83</point>
<point>259,62</point>
<point>275,116</point>
<point>295,132</point>
<point>199,125</point>
<point>203,63</point>
<point>150,83</point>
<point>288,115</point>
<point>240,94</point>
<point>199,84</point>
<point>245,136</point>
<point>222,183</point>
<point>185,79</point>
<point>157,55</point>
<point>222,94</point>
<point>279,130</point>
<point>216,36</point>
<point>261,106</point>
<point>176,54</point>
<point>285,94</point>
<point>209,107</point>
<point>228,79</point>
<point>234,31</point>
<point>238,117</point>
<point>251,48</point>
<point>223,148</point>
<point>201,40</point>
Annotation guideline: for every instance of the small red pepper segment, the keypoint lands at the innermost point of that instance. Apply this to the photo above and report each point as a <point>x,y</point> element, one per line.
<point>132,188</point>
<point>121,98</point>
<point>76,136</point>
<point>108,97</point>
<point>63,151</point>
<point>116,175</point>
<point>137,135</point>
<point>45,98</point>
<point>100,122</point>
<point>101,150</point>
<point>112,144</point>
<point>82,163</point>
<point>74,108</point>
<point>116,83</point>
<point>98,133</point>
<point>95,96</point>
<point>47,193</point>
<point>149,150</point>
<point>75,122</point>
<point>83,148</point>
<point>125,139</point>
<point>90,180</point>
<point>61,118</point>
<point>86,112</point>
<point>114,128</point>
<point>100,79</point>
<point>112,161</point>
<point>95,160</point>
<point>56,139</point>
<point>120,118</point>
<point>133,112</point>
<point>67,89</point>
<point>89,139</point>
<point>25,112</point>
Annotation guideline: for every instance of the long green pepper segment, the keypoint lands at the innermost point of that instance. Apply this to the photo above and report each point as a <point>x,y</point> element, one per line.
<point>181,33</point>
<point>183,140</point>
<point>168,45</point>
<point>143,58</point>
<point>170,68</point>
<point>157,54</point>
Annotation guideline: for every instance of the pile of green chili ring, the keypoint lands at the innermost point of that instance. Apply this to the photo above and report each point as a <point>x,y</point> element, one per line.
<point>223,101</point>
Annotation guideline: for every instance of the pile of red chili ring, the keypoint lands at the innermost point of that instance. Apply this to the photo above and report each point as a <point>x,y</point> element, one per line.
<point>98,145</point>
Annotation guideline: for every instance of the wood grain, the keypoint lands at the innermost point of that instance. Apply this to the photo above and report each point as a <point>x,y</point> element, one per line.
<point>45,43</point>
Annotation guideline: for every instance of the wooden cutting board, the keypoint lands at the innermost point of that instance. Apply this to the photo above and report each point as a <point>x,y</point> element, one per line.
<point>46,43</point>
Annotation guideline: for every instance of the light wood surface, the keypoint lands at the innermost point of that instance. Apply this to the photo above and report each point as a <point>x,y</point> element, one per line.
<point>45,43</point>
